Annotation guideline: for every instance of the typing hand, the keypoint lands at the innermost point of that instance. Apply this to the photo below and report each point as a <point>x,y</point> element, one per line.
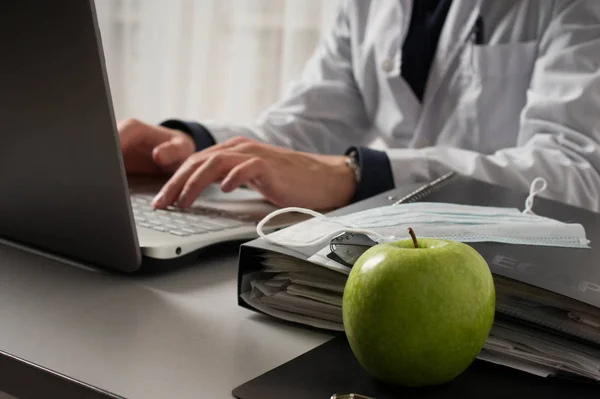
<point>151,149</point>
<point>284,177</point>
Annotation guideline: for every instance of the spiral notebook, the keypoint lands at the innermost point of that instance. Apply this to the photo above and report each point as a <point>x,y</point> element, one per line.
<point>555,291</point>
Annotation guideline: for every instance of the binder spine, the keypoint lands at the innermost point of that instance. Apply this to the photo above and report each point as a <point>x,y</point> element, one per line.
<point>427,189</point>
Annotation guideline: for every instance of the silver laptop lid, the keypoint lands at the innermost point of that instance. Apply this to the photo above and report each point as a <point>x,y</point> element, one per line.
<point>62,182</point>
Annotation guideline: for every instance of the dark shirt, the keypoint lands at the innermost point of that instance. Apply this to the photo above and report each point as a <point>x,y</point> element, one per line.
<point>427,20</point>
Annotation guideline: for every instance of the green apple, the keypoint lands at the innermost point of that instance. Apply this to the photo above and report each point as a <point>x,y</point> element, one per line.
<point>418,312</point>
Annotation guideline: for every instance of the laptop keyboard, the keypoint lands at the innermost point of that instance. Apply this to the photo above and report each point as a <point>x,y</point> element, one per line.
<point>181,222</point>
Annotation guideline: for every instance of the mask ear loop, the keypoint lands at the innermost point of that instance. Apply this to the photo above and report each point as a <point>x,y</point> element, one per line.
<point>323,239</point>
<point>538,185</point>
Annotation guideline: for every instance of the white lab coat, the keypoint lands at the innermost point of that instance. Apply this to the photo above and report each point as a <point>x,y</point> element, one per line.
<point>524,104</point>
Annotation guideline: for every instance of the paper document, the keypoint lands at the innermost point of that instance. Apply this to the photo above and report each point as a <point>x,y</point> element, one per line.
<point>300,291</point>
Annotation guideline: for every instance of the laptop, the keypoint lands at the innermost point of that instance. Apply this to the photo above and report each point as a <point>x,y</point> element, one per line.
<point>63,186</point>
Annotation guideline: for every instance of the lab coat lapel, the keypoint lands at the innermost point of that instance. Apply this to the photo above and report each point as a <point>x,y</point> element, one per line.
<point>385,20</point>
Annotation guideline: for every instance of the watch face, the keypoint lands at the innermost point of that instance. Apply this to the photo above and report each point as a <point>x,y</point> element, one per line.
<point>352,163</point>
<point>348,247</point>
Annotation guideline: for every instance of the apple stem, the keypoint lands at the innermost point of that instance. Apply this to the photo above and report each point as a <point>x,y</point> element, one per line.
<point>413,236</point>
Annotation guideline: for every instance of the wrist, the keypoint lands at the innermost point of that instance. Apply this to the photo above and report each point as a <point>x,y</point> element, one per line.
<point>337,181</point>
<point>353,164</point>
<point>375,172</point>
<point>201,137</point>
<point>189,141</point>
<point>347,175</point>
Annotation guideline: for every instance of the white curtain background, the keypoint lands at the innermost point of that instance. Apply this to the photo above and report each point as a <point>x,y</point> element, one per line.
<point>206,59</point>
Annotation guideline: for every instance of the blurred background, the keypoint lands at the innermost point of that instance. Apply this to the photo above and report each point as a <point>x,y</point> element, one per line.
<point>206,59</point>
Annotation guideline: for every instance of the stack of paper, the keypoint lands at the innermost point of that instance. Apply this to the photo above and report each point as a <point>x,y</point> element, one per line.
<point>544,351</point>
<point>308,293</point>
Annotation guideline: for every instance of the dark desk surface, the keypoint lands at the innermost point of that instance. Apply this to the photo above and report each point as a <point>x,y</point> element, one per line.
<point>331,368</point>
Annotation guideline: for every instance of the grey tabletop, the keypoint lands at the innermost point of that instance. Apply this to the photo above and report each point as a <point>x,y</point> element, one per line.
<point>179,334</point>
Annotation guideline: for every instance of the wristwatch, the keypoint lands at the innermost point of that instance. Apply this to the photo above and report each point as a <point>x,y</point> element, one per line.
<point>353,164</point>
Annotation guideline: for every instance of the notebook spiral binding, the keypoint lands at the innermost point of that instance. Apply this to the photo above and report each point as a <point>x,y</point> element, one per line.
<point>427,189</point>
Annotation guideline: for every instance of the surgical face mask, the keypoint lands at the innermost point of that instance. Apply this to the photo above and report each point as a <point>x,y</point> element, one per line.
<point>463,223</point>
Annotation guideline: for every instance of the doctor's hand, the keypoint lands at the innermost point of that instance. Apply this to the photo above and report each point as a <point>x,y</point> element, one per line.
<point>149,149</point>
<point>284,177</point>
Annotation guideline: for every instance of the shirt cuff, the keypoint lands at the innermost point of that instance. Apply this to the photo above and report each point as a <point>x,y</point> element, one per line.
<point>199,133</point>
<point>375,173</point>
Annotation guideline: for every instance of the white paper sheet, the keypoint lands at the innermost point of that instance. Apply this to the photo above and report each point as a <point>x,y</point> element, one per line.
<point>298,291</point>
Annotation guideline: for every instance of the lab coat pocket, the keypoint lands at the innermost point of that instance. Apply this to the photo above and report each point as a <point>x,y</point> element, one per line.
<point>498,60</point>
<point>500,76</point>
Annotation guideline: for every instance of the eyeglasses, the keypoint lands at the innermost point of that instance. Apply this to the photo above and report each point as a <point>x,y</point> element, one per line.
<point>350,396</point>
<point>348,247</point>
